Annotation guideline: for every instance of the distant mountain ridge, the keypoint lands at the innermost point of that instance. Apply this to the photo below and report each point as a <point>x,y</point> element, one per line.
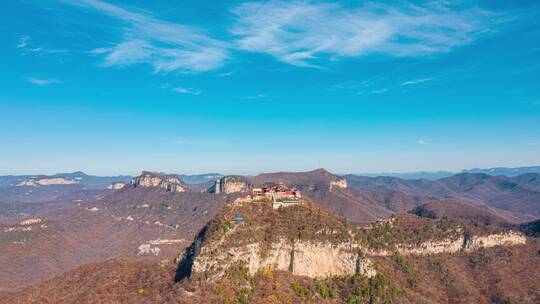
<point>359,202</point>
<point>434,175</point>
<point>85,180</point>
<point>199,178</point>
<point>93,181</point>
<point>505,171</point>
<point>516,194</point>
<point>411,175</point>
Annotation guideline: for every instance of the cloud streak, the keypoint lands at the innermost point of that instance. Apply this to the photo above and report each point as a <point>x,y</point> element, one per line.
<point>166,46</point>
<point>43,82</point>
<point>379,91</point>
<point>27,48</point>
<point>415,81</point>
<point>257,96</point>
<point>183,90</point>
<point>300,33</point>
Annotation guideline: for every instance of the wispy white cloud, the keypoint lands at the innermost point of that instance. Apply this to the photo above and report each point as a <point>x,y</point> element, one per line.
<point>375,85</point>
<point>416,81</point>
<point>225,74</point>
<point>300,32</point>
<point>256,96</point>
<point>43,82</point>
<point>183,90</point>
<point>351,85</point>
<point>23,42</point>
<point>379,91</point>
<point>422,142</point>
<point>166,46</point>
<point>27,48</point>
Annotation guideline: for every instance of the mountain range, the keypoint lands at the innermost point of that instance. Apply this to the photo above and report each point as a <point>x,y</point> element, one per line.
<point>519,194</point>
<point>433,175</point>
<point>137,243</point>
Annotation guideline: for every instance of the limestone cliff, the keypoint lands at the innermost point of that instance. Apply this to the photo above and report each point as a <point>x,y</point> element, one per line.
<point>116,186</point>
<point>230,184</point>
<point>34,182</point>
<point>150,179</point>
<point>412,235</point>
<point>304,258</point>
<point>308,241</point>
<point>303,240</point>
<point>461,243</point>
<point>338,183</point>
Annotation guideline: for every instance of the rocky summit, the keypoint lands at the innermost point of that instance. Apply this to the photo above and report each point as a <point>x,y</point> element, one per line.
<point>157,180</point>
<point>308,241</point>
<point>304,240</point>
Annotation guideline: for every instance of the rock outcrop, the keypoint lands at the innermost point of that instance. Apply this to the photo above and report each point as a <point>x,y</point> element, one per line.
<point>34,182</point>
<point>304,258</point>
<point>304,240</point>
<point>116,186</point>
<point>150,179</point>
<point>458,244</point>
<point>339,183</point>
<point>507,238</point>
<point>30,221</point>
<point>230,184</point>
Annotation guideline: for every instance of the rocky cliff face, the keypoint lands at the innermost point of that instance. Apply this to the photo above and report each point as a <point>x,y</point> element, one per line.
<point>509,238</point>
<point>230,184</point>
<point>461,243</point>
<point>48,182</point>
<point>411,235</point>
<point>339,183</point>
<point>116,186</point>
<point>303,240</point>
<point>149,179</point>
<point>307,241</point>
<point>304,258</point>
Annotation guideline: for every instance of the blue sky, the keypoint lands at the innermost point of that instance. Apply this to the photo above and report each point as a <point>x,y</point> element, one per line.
<point>113,87</point>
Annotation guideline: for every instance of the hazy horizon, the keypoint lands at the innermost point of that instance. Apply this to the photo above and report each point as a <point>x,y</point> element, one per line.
<point>260,172</point>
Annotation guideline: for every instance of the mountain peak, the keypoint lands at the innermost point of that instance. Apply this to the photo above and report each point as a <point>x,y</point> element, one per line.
<point>149,179</point>
<point>320,170</point>
<point>270,238</point>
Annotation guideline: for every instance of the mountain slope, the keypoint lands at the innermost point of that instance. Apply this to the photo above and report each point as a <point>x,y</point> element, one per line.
<point>518,194</point>
<point>505,171</point>
<point>319,179</point>
<point>332,193</point>
<point>434,175</point>
<point>482,273</point>
<point>449,208</point>
<point>143,222</point>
